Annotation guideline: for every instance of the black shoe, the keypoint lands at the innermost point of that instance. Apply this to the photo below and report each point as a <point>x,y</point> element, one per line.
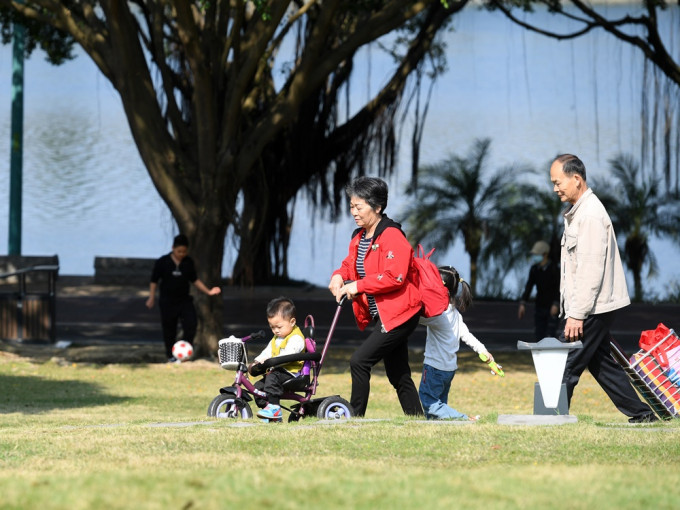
<point>645,418</point>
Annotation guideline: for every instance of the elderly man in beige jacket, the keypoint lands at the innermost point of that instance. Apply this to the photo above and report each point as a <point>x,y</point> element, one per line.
<point>592,288</point>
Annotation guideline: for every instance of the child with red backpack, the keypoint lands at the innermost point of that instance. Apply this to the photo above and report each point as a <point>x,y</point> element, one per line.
<point>444,333</point>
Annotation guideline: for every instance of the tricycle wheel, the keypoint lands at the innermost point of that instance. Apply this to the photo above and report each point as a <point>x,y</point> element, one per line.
<point>227,406</point>
<point>334,408</point>
<point>211,412</point>
<point>295,415</point>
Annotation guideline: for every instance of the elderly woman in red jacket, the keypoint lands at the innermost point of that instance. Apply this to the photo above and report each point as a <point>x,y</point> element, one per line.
<point>381,276</point>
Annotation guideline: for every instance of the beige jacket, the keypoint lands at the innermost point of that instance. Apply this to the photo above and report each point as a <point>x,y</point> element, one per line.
<point>592,277</point>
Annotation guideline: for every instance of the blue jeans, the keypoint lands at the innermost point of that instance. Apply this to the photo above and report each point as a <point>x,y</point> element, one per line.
<point>434,394</point>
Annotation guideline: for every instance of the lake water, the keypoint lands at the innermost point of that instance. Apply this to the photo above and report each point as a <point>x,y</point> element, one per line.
<point>86,192</point>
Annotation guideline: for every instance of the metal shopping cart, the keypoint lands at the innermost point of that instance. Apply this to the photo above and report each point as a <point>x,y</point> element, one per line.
<point>654,370</point>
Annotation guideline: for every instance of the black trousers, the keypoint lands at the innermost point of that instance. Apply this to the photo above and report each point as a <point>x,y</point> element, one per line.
<point>545,325</point>
<point>171,314</point>
<point>596,356</point>
<point>272,385</point>
<point>392,348</point>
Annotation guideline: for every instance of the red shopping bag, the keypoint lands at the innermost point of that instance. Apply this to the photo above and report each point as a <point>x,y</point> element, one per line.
<point>662,344</point>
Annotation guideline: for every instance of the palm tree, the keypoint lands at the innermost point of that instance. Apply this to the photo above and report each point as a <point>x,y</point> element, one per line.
<point>638,212</point>
<point>455,197</point>
<point>529,213</point>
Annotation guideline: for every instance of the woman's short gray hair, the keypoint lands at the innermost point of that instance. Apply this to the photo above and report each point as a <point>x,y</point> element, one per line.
<point>371,189</point>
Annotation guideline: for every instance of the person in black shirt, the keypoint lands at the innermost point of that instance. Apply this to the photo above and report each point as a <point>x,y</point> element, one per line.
<point>172,274</point>
<point>545,275</point>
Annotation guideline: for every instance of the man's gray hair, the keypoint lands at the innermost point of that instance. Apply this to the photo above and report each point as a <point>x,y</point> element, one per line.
<point>572,165</point>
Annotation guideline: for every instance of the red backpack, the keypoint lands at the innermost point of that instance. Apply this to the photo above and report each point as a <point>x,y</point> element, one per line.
<point>434,294</point>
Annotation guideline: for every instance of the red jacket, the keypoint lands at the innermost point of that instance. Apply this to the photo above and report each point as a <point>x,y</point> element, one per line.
<point>390,276</point>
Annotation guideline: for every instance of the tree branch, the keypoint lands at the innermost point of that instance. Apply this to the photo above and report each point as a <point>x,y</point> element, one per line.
<point>419,46</point>
<point>252,45</point>
<point>500,5</point>
<point>54,13</point>
<point>314,69</point>
<point>652,47</point>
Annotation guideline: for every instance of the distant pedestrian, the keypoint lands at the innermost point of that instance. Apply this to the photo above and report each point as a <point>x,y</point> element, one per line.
<point>545,276</point>
<point>172,274</point>
<point>592,288</point>
<point>383,292</point>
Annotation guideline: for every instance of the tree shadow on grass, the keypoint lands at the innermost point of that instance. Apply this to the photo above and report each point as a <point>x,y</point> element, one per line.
<point>35,395</point>
<point>97,354</point>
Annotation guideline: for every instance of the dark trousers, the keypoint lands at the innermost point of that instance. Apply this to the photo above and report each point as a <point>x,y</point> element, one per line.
<point>392,348</point>
<point>545,325</point>
<point>171,313</point>
<point>272,385</point>
<point>596,356</point>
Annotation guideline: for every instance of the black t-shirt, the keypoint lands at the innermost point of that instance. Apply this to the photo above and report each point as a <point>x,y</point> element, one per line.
<point>175,280</point>
<point>547,281</point>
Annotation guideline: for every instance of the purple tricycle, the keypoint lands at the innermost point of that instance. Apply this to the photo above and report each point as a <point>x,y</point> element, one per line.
<point>233,401</point>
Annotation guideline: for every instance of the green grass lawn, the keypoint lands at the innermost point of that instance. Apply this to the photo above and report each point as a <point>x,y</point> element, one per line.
<point>76,435</point>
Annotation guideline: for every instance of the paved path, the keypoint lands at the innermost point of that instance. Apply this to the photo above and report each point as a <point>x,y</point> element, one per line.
<point>87,313</point>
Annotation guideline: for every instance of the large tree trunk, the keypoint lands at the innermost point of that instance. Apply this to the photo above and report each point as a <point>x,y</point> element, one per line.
<point>264,226</point>
<point>253,261</point>
<point>208,252</point>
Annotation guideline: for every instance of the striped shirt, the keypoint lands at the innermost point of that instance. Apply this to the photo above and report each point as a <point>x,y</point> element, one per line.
<point>363,249</point>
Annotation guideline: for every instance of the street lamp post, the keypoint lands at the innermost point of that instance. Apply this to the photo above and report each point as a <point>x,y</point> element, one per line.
<point>16,136</point>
